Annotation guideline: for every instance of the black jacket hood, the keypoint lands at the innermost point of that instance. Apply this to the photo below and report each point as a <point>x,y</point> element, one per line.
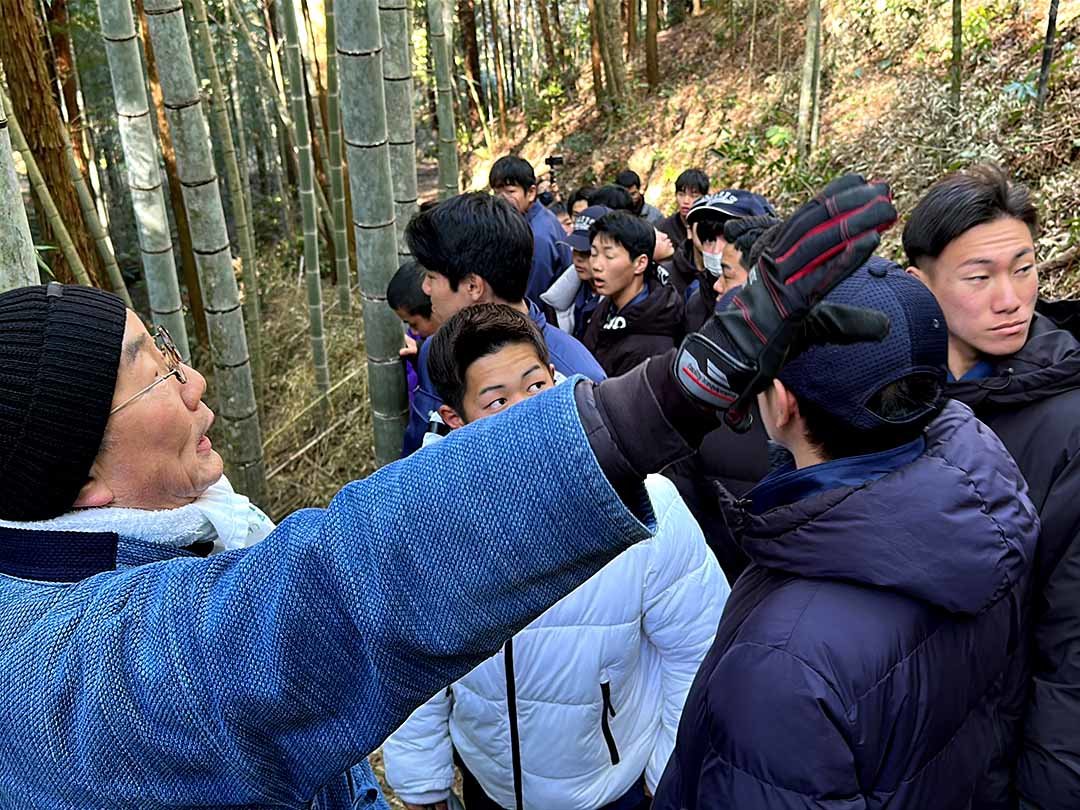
<point>1047,365</point>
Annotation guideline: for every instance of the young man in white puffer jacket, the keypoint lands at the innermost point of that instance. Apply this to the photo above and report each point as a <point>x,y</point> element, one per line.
<point>580,709</point>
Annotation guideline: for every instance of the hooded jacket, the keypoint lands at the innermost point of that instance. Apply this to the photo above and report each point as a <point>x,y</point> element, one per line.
<point>1032,402</point>
<point>619,340</point>
<point>872,654</point>
<point>599,681</point>
<point>253,678</point>
<point>550,253</point>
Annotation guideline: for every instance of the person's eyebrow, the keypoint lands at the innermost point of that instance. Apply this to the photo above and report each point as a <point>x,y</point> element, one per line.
<point>133,347</point>
<point>530,371</point>
<point>489,389</point>
<point>979,261</point>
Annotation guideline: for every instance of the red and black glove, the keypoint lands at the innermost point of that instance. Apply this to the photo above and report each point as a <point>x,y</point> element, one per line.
<point>777,313</point>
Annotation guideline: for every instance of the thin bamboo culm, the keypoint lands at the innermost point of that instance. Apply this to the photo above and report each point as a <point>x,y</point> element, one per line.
<point>442,52</point>
<point>237,409</point>
<point>141,157</point>
<point>294,66</point>
<point>235,186</point>
<point>401,127</point>
<point>18,260</point>
<point>337,176</point>
<point>231,60</point>
<point>93,223</point>
<point>363,113</point>
<point>44,197</point>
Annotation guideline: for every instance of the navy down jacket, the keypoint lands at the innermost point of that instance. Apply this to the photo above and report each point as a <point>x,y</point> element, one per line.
<point>872,654</point>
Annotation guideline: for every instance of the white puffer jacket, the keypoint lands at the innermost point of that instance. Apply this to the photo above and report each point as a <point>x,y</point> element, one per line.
<point>599,679</point>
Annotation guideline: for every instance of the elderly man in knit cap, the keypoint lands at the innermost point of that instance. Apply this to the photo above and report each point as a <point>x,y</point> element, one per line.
<point>140,673</point>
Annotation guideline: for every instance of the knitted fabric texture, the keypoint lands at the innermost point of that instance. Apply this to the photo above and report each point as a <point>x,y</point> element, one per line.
<point>59,355</point>
<point>256,677</point>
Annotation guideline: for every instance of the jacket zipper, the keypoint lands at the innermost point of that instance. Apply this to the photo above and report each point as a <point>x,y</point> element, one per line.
<point>511,710</point>
<point>608,710</point>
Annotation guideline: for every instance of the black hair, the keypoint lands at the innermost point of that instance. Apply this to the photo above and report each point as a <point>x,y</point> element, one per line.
<point>472,333</point>
<point>632,232</point>
<point>427,205</point>
<point>406,290</point>
<point>614,197</point>
<point>834,438</point>
<point>510,170</point>
<point>628,178</point>
<point>744,233</point>
<point>710,228</point>
<point>961,201</point>
<point>558,208</point>
<point>692,180</point>
<point>475,233</point>
<point>583,193</point>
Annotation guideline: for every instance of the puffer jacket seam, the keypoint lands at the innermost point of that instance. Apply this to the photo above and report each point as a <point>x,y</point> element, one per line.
<point>889,672</point>
<point>773,785</point>
<point>802,661</point>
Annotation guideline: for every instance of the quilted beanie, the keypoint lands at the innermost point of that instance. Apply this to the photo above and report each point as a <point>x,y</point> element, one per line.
<point>59,355</point>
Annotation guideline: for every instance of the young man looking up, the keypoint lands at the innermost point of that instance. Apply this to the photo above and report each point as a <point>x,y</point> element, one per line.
<point>873,653</point>
<point>630,180</point>
<point>572,297</point>
<point>640,317</point>
<point>689,186</point>
<point>475,248</point>
<point>513,179</point>
<point>970,240</point>
<point>626,644</point>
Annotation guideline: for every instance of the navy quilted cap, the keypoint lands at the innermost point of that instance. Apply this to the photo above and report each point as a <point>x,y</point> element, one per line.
<point>843,379</point>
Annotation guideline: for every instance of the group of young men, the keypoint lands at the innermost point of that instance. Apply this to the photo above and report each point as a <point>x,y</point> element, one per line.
<point>908,591</point>
<point>818,550</point>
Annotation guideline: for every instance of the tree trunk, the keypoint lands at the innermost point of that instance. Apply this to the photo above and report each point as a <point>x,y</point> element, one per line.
<point>269,15</point>
<point>547,38</point>
<point>511,50</point>
<point>560,39</point>
<point>815,119</point>
<point>753,37</point>
<point>652,26</point>
<point>809,71</point>
<point>631,28</point>
<point>176,194</point>
<point>1047,58</point>
<point>440,43</point>
<point>957,64</point>
<point>67,73</point>
<point>245,236</point>
<point>493,19</point>
<point>696,8</point>
<point>34,107</point>
<point>343,272</point>
<point>363,107</point>
<point>398,91</point>
<point>610,28</point>
<point>238,123</point>
<point>467,21</point>
<point>237,408</point>
<point>307,200</point>
<point>18,260</point>
<point>599,90</point>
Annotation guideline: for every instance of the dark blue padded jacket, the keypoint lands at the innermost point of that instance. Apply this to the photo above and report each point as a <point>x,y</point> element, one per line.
<point>872,655</point>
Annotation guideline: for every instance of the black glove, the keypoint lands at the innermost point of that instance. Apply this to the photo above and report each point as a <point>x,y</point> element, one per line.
<point>777,312</point>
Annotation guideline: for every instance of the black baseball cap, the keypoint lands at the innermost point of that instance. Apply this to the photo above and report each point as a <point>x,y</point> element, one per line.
<point>579,238</point>
<point>731,203</point>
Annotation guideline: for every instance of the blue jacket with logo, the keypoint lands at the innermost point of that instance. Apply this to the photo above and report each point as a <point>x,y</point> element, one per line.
<point>567,355</point>
<point>551,255</point>
<point>873,654</point>
<point>255,678</point>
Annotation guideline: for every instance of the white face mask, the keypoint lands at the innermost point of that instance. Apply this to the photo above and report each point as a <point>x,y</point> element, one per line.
<point>713,263</point>
<point>239,523</point>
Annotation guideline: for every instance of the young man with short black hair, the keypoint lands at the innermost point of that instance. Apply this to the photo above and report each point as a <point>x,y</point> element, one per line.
<point>873,653</point>
<point>579,199</point>
<point>625,645</point>
<point>691,185</point>
<point>514,180</point>
<point>630,180</point>
<point>640,317</point>
<point>571,297</point>
<point>476,248</point>
<point>1013,360</point>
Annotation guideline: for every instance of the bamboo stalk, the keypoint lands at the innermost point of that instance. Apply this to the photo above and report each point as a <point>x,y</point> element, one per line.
<point>441,48</point>
<point>337,175</point>
<point>238,411</point>
<point>220,116</point>
<point>401,128</point>
<point>231,59</point>
<point>310,258</point>
<point>18,260</point>
<point>363,108</point>
<point>44,196</point>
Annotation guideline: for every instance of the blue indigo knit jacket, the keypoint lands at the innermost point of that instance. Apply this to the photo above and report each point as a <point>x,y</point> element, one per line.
<point>255,678</point>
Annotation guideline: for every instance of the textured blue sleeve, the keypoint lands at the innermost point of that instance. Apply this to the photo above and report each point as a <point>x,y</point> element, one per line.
<point>257,676</point>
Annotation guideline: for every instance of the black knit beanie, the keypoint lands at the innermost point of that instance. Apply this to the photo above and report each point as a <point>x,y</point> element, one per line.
<point>59,355</point>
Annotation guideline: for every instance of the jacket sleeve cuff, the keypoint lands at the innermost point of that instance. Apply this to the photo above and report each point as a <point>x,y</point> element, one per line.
<point>428,797</point>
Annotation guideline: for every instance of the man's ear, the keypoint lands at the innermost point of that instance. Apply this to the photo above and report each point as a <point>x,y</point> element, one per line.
<point>476,288</point>
<point>919,274</point>
<point>641,263</point>
<point>783,404</point>
<point>94,493</point>
<point>450,416</point>
<point>530,194</point>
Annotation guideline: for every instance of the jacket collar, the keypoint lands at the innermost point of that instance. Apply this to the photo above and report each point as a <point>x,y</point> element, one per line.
<point>56,556</point>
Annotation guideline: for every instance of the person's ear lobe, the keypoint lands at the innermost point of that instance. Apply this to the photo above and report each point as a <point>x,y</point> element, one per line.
<point>917,273</point>
<point>785,406</point>
<point>94,493</point>
<point>641,263</point>
<point>450,417</point>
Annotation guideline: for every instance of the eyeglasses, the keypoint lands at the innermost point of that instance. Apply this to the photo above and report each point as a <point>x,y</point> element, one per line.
<point>173,362</point>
